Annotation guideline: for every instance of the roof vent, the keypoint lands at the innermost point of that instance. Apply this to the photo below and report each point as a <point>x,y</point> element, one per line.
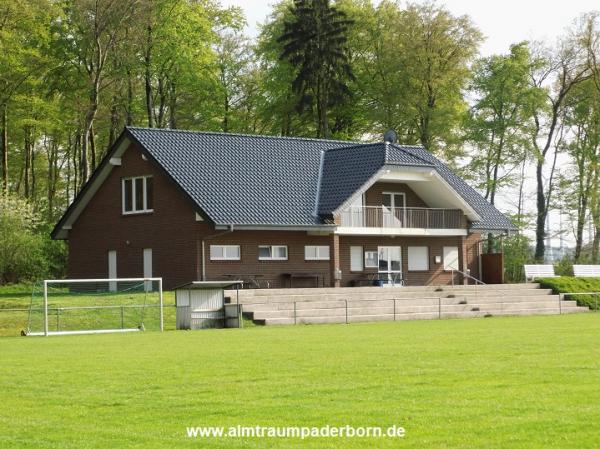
<point>390,136</point>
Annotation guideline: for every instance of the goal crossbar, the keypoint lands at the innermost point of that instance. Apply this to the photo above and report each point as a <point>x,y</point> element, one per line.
<point>46,332</point>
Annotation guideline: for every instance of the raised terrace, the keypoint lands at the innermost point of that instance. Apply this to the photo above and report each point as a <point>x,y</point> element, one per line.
<point>346,305</point>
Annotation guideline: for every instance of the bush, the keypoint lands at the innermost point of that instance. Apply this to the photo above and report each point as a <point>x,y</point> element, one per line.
<point>517,252</point>
<point>24,243</point>
<point>566,284</point>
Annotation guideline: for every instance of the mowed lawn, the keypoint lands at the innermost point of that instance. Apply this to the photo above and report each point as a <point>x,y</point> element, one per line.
<point>528,382</point>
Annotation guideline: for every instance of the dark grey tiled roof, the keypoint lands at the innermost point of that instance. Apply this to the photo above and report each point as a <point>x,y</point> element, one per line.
<point>261,180</point>
<point>491,218</point>
<point>346,170</point>
<point>242,179</point>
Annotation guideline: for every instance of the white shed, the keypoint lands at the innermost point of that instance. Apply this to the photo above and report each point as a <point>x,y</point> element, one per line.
<point>201,305</point>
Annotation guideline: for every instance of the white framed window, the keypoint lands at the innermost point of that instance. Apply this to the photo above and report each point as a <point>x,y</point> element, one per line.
<point>316,252</point>
<point>371,259</point>
<point>137,194</point>
<point>450,258</point>
<point>225,252</point>
<point>418,258</point>
<point>356,258</point>
<point>272,252</point>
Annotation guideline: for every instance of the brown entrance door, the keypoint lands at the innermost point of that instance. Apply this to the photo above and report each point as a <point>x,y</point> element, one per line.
<point>492,268</point>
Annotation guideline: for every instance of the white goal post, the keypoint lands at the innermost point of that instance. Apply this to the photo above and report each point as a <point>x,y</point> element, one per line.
<point>90,313</point>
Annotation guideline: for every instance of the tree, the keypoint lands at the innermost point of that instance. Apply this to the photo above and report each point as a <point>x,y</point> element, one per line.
<point>23,33</point>
<point>560,71</point>
<point>582,117</point>
<point>87,35</point>
<point>315,43</point>
<point>499,122</point>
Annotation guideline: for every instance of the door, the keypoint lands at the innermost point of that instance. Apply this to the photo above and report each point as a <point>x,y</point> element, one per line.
<point>390,265</point>
<point>394,208</point>
<point>148,267</point>
<point>492,268</point>
<point>112,270</point>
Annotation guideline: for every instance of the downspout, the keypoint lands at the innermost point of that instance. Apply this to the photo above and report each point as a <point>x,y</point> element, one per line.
<point>210,237</point>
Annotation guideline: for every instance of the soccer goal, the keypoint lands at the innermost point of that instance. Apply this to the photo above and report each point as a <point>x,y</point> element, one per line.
<point>93,306</point>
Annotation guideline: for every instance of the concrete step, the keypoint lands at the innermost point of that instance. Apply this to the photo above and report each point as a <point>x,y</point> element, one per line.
<point>417,316</point>
<point>406,309</point>
<point>328,303</point>
<point>419,289</point>
<point>381,294</point>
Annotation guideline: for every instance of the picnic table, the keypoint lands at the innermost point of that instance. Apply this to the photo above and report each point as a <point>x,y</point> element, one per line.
<point>318,277</point>
<point>255,280</point>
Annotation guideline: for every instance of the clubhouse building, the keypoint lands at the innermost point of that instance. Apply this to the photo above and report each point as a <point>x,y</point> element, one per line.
<point>275,212</point>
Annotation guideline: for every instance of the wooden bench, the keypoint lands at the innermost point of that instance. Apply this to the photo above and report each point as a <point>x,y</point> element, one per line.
<point>586,271</point>
<point>538,271</point>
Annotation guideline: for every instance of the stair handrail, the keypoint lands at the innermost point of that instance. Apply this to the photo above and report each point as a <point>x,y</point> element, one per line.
<point>467,275</point>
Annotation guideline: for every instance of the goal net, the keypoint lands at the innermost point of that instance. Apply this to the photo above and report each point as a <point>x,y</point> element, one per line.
<point>86,306</point>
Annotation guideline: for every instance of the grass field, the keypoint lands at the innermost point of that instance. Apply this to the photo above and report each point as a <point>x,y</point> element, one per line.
<point>528,382</point>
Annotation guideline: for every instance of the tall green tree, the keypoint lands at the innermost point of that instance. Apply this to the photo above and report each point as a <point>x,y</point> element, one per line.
<point>315,43</point>
<point>561,70</point>
<point>500,121</point>
<point>86,37</point>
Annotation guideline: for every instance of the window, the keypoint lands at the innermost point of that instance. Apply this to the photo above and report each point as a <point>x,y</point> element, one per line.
<point>418,258</point>
<point>225,252</point>
<point>273,252</point>
<point>450,258</point>
<point>316,253</point>
<point>371,259</point>
<point>138,194</point>
<point>356,258</point>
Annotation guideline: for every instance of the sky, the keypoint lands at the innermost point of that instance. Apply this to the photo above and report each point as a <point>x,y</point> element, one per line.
<point>502,22</point>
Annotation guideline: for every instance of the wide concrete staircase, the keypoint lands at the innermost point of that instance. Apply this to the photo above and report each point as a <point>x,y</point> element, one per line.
<point>347,305</point>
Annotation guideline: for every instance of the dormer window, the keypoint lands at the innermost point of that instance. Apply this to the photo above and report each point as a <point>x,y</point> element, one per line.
<point>137,195</point>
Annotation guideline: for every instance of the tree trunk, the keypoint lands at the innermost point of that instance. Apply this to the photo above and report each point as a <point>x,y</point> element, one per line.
<point>542,212</point>
<point>114,123</point>
<point>4,146</point>
<point>172,105</point>
<point>596,246</point>
<point>129,117</point>
<point>26,157</point>
<point>92,149</point>
<point>148,78</point>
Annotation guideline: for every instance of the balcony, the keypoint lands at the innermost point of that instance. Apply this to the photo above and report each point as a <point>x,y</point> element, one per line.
<point>403,218</point>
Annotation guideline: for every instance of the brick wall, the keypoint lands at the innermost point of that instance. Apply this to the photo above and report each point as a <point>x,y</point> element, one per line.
<point>101,227</point>
<point>176,240</point>
<point>435,275</point>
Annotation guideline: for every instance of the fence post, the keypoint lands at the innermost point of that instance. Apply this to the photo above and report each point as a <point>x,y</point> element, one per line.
<point>46,308</point>
<point>439,307</point>
<point>57,318</point>
<point>294,312</point>
<point>346,310</point>
<point>559,305</point>
<point>122,320</point>
<point>394,309</point>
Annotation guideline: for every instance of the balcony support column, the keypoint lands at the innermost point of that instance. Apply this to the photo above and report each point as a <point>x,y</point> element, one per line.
<point>464,266</point>
<point>334,261</point>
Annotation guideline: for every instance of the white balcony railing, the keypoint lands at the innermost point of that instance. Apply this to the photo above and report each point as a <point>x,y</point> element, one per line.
<point>402,217</point>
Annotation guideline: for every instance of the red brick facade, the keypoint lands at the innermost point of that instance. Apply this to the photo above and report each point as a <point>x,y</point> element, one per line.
<point>176,239</point>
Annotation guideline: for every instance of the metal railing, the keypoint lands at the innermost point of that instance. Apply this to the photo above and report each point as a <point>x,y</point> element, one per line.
<point>466,275</point>
<point>402,217</point>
